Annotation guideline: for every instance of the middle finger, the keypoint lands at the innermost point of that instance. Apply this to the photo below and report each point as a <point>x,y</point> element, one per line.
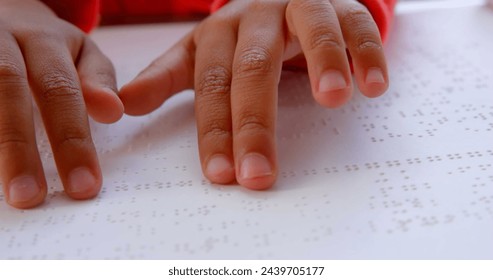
<point>256,73</point>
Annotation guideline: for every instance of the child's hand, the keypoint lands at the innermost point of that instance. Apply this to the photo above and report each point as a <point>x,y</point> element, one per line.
<point>49,59</point>
<point>234,58</point>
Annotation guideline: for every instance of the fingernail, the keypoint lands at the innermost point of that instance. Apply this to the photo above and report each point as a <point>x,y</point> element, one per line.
<point>81,180</point>
<point>375,76</point>
<point>218,165</point>
<point>332,80</point>
<point>254,166</point>
<point>23,189</point>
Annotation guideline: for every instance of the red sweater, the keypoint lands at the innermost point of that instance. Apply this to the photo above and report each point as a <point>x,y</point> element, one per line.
<point>85,13</point>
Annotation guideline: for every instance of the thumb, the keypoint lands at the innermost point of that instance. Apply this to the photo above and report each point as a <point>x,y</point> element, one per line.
<point>98,82</point>
<point>170,73</point>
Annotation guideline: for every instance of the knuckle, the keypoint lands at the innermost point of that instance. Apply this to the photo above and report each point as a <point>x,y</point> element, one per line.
<point>10,72</point>
<point>55,85</point>
<point>41,34</point>
<point>365,43</point>
<point>11,138</point>
<point>358,19</point>
<point>72,137</point>
<point>219,19</point>
<point>306,7</point>
<point>321,37</point>
<point>214,80</point>
<point>74,32</point>
<point>215,130</point>
<point>254,60</point>
<point>263,5</point>
<point>320,34</point>
<point>61,33</point>
<point>251,122</point>
<point>355,15</point>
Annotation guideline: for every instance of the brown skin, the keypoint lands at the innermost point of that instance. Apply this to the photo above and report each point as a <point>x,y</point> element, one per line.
<point>55,63</point>
<point>233,60</point>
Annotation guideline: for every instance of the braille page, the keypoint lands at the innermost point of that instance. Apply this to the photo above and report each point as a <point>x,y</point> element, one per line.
<point>408,175</point>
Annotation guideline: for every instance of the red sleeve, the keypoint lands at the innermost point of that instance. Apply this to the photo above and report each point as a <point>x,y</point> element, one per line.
<point>155,8</point>
<point>382,11</point>
<point>217,4</point>
<point>383,14</point>
<point>84,14</point>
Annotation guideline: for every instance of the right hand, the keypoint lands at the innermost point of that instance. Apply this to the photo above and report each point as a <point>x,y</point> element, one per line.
<point>233,60</point>
<point>44,57</point>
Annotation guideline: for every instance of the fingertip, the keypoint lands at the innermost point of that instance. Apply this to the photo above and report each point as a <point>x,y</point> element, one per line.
<point>24,192</point>
<point>103,104</point>
<point>334,90</point>
<point>375,83</point>
<point>83,184</point>
<point>256,172</point>
<point>258,184</point>
<point>375,90</point>
<point>140,97</point>
<point>24,205</point>
<point>220,169</point>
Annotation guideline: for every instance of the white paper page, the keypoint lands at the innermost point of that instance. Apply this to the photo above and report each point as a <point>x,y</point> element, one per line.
<point>407,175</point>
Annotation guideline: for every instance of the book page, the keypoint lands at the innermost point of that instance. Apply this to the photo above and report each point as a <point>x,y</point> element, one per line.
<point>407,176</point>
